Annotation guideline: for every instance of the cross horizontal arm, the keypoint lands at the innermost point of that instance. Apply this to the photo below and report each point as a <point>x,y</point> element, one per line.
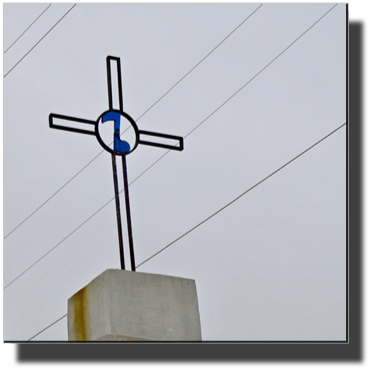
<point>80,123</point>
<point>162,145</point>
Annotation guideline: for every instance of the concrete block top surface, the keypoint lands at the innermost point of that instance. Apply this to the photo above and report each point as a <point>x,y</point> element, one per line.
<point>131,306</point>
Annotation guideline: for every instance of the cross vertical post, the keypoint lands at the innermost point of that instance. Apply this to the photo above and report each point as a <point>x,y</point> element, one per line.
<point>128,209</point>
<point>125,178</point>
<point>117,202</point>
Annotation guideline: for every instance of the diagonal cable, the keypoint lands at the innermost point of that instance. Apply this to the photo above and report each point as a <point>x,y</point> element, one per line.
<point>217,212</point>
<point>241,195</point>
<point>26,29</point>
<point>47,327</point>
<point>156,102</point>
<point>35,45</point>
<point>224,103</point>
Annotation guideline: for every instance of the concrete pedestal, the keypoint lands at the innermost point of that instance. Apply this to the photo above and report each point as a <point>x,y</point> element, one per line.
<point>121,305</point>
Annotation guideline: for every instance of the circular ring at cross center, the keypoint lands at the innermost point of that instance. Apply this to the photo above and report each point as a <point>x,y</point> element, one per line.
<point>117,132</point>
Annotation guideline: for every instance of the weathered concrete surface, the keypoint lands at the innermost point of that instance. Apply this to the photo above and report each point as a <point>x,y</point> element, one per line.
<point>121,305</point>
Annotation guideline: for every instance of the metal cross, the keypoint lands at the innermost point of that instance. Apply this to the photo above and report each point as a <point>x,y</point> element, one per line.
<point>120,147</point>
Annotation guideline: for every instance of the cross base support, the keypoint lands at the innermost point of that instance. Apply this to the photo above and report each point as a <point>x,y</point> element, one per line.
<point>121,305</point>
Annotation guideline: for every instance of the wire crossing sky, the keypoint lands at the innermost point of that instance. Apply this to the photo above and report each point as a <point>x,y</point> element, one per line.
<point>275,261</point>
<point>27,29</point>
<point>169,150</point>
<point>188,232</point>
<point>156,102</point>
<point>158,252</point>
<point>241,195</point>
<point>38,42</point>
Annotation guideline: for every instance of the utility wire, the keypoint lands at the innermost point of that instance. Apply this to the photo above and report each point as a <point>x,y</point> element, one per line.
<point>39,41</point>
<point>157,101</point>
<point>221,209</point>
<point>245,192</point>
<point>47,327</point>
<point>169,150</point>
<point>67,236</point>
<point>26,29</point>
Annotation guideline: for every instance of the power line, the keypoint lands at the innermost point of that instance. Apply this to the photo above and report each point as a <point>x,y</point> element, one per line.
<point>245,192</point>
<point>26,29</point>
<point>224,103</point>
<point>47,327</point>
<point>39,41</point>
<point>157,101</point>
<point>43,204</point>
<point>188,73</point>
<point>220,210</point>
<point>67,236</point>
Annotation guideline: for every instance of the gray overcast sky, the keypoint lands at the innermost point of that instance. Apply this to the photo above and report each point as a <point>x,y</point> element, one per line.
<point>269,267</point>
